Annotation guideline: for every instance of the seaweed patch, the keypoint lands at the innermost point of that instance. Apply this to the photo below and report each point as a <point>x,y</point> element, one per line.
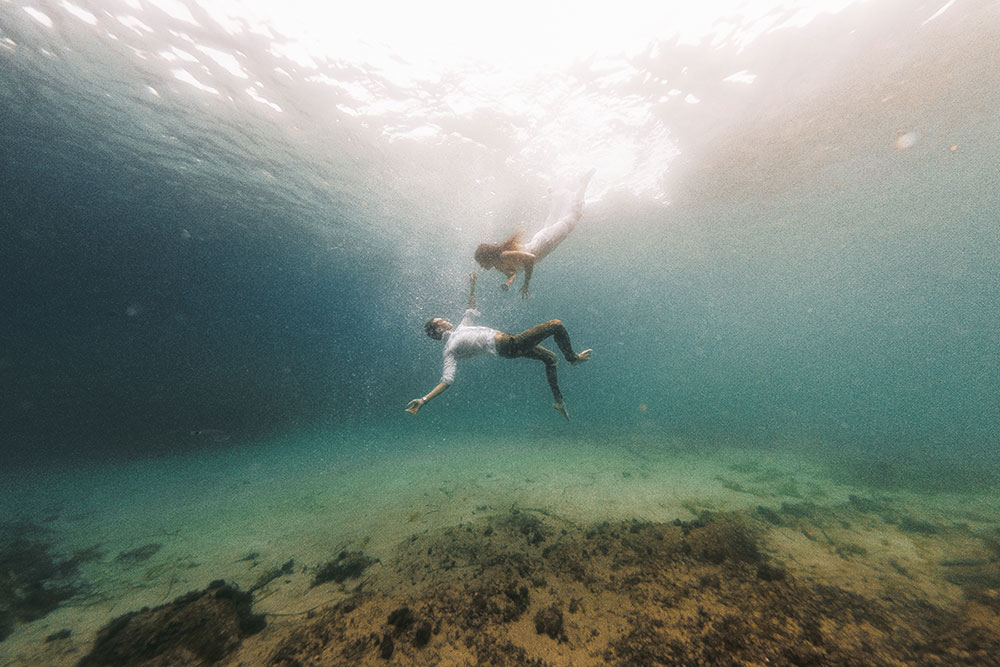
<point>33,582</point>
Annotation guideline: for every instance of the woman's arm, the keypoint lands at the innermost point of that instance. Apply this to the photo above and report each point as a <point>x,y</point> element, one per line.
<point>528,268</point>
<point>516,259</point>
<point>472,291</point>
<point>510,262</point>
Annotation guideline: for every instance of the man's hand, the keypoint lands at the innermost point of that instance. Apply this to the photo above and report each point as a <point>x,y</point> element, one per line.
<point>415,405</point>
<point>524,292</point>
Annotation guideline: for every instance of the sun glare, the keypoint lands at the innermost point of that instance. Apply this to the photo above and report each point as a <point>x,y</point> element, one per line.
<point>554,83</point>
<point>521,34</point>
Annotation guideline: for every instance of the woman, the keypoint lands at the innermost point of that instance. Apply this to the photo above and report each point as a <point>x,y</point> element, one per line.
<point>512,256</point>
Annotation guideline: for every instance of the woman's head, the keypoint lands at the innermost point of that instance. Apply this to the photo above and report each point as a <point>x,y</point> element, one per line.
<point>487,255</point>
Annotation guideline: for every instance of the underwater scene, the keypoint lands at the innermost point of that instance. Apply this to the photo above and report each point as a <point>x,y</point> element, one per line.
<point>537,333</point>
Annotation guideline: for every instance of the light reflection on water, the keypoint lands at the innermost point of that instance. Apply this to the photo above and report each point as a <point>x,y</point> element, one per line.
<point>547,87</point>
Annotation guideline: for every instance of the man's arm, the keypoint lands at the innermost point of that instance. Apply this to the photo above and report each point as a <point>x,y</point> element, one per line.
<point>417,403</point>
<point>449,371</point>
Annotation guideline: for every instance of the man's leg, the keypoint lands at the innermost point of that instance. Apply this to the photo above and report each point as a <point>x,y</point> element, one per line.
<point>527,340</point>
<point>548,358</point>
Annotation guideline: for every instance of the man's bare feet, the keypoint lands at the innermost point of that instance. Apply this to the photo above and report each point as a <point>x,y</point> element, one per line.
<point>582,357</point>
<point>561,409</point>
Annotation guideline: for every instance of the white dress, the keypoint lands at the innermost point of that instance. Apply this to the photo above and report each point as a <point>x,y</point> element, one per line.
<point>565,212</point>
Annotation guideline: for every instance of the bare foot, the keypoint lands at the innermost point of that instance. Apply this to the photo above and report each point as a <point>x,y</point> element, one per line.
<point>582,357</point>
<point>561,409</point>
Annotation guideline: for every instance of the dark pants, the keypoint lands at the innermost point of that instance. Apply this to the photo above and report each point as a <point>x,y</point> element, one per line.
<point>526,344</point>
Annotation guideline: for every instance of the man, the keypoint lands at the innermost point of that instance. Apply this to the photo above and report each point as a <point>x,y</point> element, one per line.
<point>468,340</point>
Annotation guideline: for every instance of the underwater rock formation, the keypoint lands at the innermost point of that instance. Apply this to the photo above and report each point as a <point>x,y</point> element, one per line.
<point>549,621</point>
<point>200,627</point>
<point>795,585</point>
<point>627,593</point>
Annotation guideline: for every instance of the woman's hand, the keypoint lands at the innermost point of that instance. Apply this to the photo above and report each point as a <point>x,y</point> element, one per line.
<point>414,406</point>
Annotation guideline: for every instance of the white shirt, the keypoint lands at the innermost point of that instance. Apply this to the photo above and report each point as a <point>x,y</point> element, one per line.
<point>464,341</point>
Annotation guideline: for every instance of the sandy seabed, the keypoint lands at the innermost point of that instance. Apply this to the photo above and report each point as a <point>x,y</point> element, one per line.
<point>330,551</point>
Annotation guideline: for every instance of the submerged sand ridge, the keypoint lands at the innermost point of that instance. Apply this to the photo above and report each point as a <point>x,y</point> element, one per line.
<point>528,557</point>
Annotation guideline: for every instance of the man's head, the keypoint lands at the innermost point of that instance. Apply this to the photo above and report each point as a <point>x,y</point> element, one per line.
<point>436,326</point>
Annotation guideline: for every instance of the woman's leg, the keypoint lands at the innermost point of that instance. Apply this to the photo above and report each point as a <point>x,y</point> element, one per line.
<point>564,213</point>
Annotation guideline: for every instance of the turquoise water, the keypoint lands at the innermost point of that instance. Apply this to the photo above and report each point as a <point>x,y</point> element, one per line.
<point>176,263</point>
<point>808,262</point>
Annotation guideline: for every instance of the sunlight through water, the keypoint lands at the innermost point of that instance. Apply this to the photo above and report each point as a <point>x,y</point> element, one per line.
<point>555,86</point>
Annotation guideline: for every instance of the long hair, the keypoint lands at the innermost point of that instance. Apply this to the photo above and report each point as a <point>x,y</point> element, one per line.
<point>488,254</point>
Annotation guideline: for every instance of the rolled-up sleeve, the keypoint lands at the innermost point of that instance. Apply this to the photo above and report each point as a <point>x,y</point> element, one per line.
<point>450,364</point>
<point>469,316</point>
